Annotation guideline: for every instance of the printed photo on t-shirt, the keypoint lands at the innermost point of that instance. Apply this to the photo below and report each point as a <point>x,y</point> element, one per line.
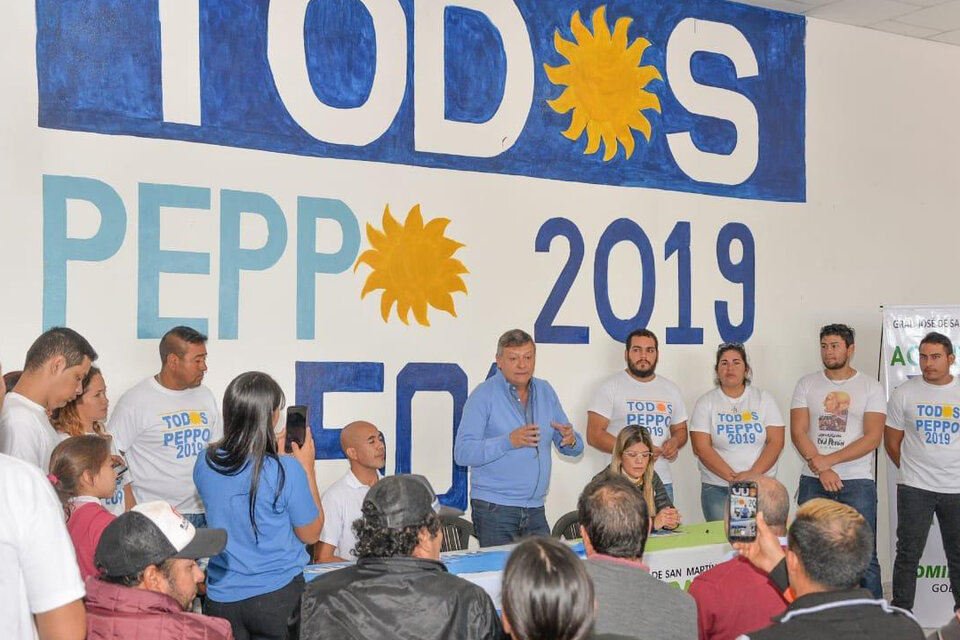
<point>836,406</point>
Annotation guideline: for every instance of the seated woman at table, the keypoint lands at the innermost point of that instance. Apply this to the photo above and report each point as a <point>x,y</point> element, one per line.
<point>633,458</point>
<point>268,503</point>
<point>736,430</point>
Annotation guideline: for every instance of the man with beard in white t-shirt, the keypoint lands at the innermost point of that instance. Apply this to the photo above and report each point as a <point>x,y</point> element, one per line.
<point>923,439</point>
<point>53,373</point>
<point>163,423</point>
<point>637,396</point>
<point>836,423</point>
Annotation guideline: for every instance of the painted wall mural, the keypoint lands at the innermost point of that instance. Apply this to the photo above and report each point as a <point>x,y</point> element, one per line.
<point>702,97</point>
<point>414,265</point>
<point>469,85</point>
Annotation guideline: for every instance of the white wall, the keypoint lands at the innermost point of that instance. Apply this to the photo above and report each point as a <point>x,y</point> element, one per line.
<point>876,228</point>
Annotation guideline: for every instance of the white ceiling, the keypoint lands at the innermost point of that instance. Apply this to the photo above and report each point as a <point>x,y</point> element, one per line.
<point>928,19</point>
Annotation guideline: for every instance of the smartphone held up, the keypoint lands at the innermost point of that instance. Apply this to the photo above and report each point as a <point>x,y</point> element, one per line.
<point>296,426</point>
<point>742,512</point>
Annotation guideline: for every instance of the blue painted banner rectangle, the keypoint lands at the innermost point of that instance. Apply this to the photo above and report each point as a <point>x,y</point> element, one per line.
<point>720,90</point>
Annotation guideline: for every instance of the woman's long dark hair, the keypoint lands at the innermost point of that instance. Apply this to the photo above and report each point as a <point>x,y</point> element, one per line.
<point>248,438</point>
<point>547,592</point>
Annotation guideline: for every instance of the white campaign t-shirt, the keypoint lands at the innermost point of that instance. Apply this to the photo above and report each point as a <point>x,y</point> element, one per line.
<point>656,405</point>
<point>737,428</point>
<point>836,409</point>
<point>929,416</point>
<point>39,568</point>
<point>161,432</point>
<point>26,432</point>
<point>342,504</point>
<point>116,504</point>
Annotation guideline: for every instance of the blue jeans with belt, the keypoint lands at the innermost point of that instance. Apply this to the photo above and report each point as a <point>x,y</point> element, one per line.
<point>861,495</point>
<point>497,524</point>
<point>713,501</point>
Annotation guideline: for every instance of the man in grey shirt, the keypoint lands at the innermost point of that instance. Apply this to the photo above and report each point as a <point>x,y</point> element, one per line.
<point>630,601</point>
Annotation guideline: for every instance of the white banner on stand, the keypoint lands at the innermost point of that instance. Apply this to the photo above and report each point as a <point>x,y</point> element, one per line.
<point>903,328</point>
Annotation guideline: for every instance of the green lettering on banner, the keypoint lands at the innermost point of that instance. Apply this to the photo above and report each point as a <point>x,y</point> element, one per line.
<point>934,571</point>
<point>897,357</point>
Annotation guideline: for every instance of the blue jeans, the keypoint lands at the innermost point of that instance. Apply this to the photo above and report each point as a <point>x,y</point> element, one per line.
<point>713,501</point>
<point>198,520</point>
<point>862,496</point>
<point>497,524</point>
<point>669,490</point>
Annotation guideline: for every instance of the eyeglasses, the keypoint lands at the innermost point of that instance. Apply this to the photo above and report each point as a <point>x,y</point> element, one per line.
<point>634,455</point>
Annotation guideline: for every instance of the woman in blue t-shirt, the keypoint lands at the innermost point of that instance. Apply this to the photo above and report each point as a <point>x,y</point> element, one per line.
<point>270,506</point>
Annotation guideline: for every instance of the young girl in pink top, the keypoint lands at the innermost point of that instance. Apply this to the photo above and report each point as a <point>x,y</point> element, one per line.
<point>81,470</point>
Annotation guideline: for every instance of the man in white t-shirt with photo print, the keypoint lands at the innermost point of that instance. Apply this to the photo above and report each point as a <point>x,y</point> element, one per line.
<point>638,396</point>
<point>164,422</point>
<point>922,438</point>
<point>836,423</point>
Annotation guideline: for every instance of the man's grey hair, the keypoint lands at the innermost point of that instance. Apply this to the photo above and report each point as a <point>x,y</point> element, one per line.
<point>774,501</point>
<point>513,338</point>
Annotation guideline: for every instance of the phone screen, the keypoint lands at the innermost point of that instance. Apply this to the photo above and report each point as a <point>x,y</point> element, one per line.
<point>743,512</point>
<point>296,426</point>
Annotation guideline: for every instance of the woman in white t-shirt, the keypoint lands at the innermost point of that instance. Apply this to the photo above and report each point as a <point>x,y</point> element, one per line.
<point>86,414</point>
<point>736,430</point>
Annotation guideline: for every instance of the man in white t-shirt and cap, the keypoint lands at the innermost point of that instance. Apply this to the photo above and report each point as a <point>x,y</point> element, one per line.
<point>638,396</point>
<point>922,437</point>
<point>149,576</point>
<point>363,445</point>
<point>164,422</point>
<point>40,588</point>
<point>836,423</point>
<point>53,373</point>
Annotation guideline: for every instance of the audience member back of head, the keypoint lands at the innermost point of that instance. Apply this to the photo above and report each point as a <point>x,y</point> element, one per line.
<point>614,524</point>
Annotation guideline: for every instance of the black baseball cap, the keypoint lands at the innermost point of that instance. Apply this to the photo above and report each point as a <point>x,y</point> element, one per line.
<point>399,501</point>
<point>151,533</point>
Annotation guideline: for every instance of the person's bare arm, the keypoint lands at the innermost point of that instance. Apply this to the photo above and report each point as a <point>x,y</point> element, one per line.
<point>129,502</point>
<point>597,435</point>
<point>67,622</point>
<point>799,426</point>
<point>892,441</point>
<point>771,450</point>
<point>703,448</point>
<point>305,455</point>
<point>323,552</point>
<point>670,447</point>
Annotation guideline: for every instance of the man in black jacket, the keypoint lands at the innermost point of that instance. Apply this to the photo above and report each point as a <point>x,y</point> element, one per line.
<point>398,588</point>
<point>829,546</point>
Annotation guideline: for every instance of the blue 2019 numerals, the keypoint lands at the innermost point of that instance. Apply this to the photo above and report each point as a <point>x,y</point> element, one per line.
<point>742,272</point>
<point>543,329</point>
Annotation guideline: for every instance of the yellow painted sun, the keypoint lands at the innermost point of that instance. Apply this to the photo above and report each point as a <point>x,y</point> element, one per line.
<point>605,84</point>
<point>414,265</point>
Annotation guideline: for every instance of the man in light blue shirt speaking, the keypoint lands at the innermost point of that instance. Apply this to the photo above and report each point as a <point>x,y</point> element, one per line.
<point>508,424</point>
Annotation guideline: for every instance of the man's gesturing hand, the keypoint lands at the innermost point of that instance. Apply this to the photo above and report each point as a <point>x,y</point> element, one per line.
<point>568,437</point>
<point>526,436</point>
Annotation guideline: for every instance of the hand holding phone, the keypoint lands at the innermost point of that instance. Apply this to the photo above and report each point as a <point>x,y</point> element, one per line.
<point>742,512</point>
<point>765,552</point>
<point>296,427</point>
